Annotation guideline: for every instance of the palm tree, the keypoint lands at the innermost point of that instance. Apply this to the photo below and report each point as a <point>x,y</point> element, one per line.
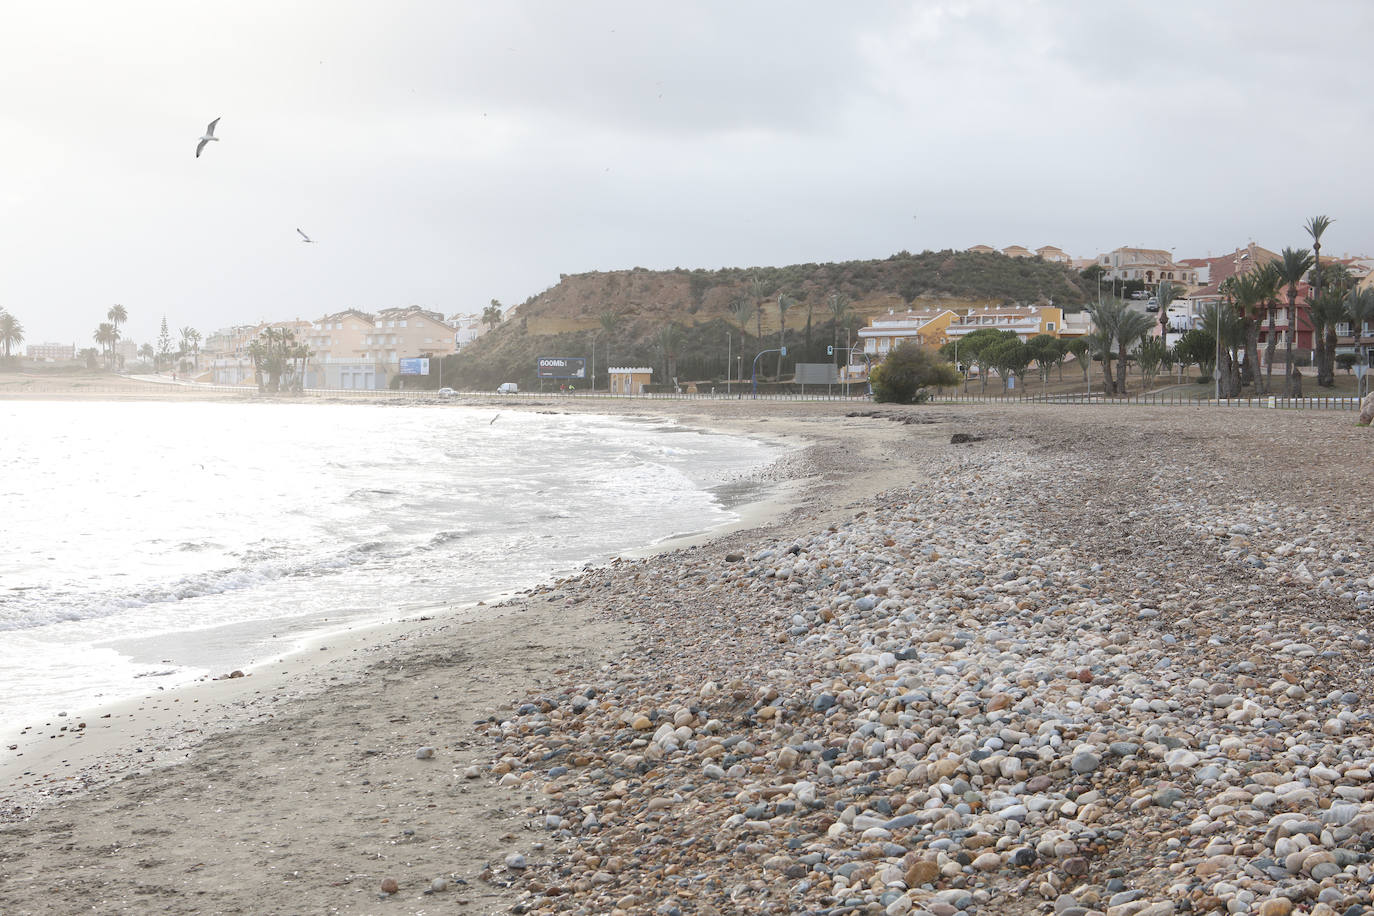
<point>1098,342</point>
<point>669,339</point>
<point>11,332</point>
<point>783,305</point>
<point>1131,328</point>
<point>1315,227</point>
<point>491,315</point>
<point>742,311</point>
<point>1359,308</point>
<point>1079,348</point>
<point>190,343</point>
<point>117,315</point>
<point>105,335</point>
<point>147,353</point>
<point>1291,267</point>
<point>1245,295</point>
<point>1227,328</point>
<point>1327,311</point>
<point>758,291</point>
<point>1119,326</point>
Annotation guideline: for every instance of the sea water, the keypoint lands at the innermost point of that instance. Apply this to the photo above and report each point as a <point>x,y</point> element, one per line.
<point>145,545</point>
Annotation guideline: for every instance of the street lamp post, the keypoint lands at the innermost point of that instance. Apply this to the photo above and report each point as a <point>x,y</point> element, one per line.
<point>728,355</point>
<point>1216,357</point>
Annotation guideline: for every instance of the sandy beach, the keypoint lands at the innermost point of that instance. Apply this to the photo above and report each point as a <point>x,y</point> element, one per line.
<point>1065,664</point>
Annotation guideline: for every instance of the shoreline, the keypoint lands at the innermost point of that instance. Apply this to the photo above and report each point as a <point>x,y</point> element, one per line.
<point>1093,658</point>
<point>77,751</point>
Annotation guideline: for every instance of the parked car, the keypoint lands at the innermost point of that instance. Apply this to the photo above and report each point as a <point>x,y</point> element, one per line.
<point>446,392</point>
<point>507,388</point>
<point>1152,305</point>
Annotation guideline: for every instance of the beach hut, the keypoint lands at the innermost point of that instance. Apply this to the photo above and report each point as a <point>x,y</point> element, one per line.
<point>629,380</point>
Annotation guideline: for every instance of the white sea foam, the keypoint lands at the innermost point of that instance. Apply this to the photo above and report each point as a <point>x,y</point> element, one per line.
<point>129,522</point>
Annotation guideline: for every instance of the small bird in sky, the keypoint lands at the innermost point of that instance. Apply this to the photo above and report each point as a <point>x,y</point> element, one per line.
<point>209,135</point>
<point>304,237</point>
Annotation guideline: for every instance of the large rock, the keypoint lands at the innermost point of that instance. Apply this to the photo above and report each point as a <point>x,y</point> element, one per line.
<point>1367,409</point>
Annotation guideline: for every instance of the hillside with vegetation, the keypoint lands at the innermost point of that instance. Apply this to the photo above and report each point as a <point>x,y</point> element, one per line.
<point>679,321</point>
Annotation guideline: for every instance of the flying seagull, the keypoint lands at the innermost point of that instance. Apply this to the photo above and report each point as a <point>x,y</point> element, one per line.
<point>209,135</point>
<point>304,237</point>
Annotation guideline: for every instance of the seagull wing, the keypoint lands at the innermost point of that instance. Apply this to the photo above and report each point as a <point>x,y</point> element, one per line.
<point>210,131</point>
<point>200,146</point>
<point>304,236</point>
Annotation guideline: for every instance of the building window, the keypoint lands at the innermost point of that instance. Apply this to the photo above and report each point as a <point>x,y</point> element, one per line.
<point>1050,325</point>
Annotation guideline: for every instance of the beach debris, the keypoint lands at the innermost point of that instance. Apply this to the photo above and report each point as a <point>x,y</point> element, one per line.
<point>943,705</point>
<point>389,886</point>
<point>305,238</point>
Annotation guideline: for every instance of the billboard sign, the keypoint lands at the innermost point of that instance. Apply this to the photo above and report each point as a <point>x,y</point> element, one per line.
<point>816,374</point>
<point>415,366</point>
<point>561,367</point>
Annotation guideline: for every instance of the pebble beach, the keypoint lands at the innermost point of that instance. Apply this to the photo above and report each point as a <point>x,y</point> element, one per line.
<point>1087,661</point>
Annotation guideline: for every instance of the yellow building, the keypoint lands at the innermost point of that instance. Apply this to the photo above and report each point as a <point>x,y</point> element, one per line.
<point>628,380</point>
<point>1026,321</point>
<point>927,329</point>
<point>337,343</point>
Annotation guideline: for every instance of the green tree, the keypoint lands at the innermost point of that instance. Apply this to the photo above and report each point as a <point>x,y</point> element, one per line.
<point>1124,326</point>
<point>164,344</point>
<point>1327,311</point>
<point>1316,227</point>
<point>1197,347</point>
<point>11,332</point>
<point>1227,327</point>
<point>758,292</point>
<point>1009,357</point>
<point>742,311</point>
<point>974,347</point>
<point>1246,296</point>
<point>907,372</point>
<point>1079,348</point>
<point>117,315</point>
<point>1290,268</point>
<point>669,339</point>
<point>1347,361</point>
<point>278,360</point>
<point>1099,341</point>
<point>146,353</point>
<point>1150,355</point>
<point>1043,350</point>
<point>190,346</point>
<point>491,315</point>
<point>1359,308</point>
<point>105,335</point>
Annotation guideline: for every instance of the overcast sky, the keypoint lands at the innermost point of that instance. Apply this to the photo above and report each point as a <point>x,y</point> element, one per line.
<point>447,153</point>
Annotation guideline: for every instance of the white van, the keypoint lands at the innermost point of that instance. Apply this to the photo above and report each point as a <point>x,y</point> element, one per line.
<point>507,388</point>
